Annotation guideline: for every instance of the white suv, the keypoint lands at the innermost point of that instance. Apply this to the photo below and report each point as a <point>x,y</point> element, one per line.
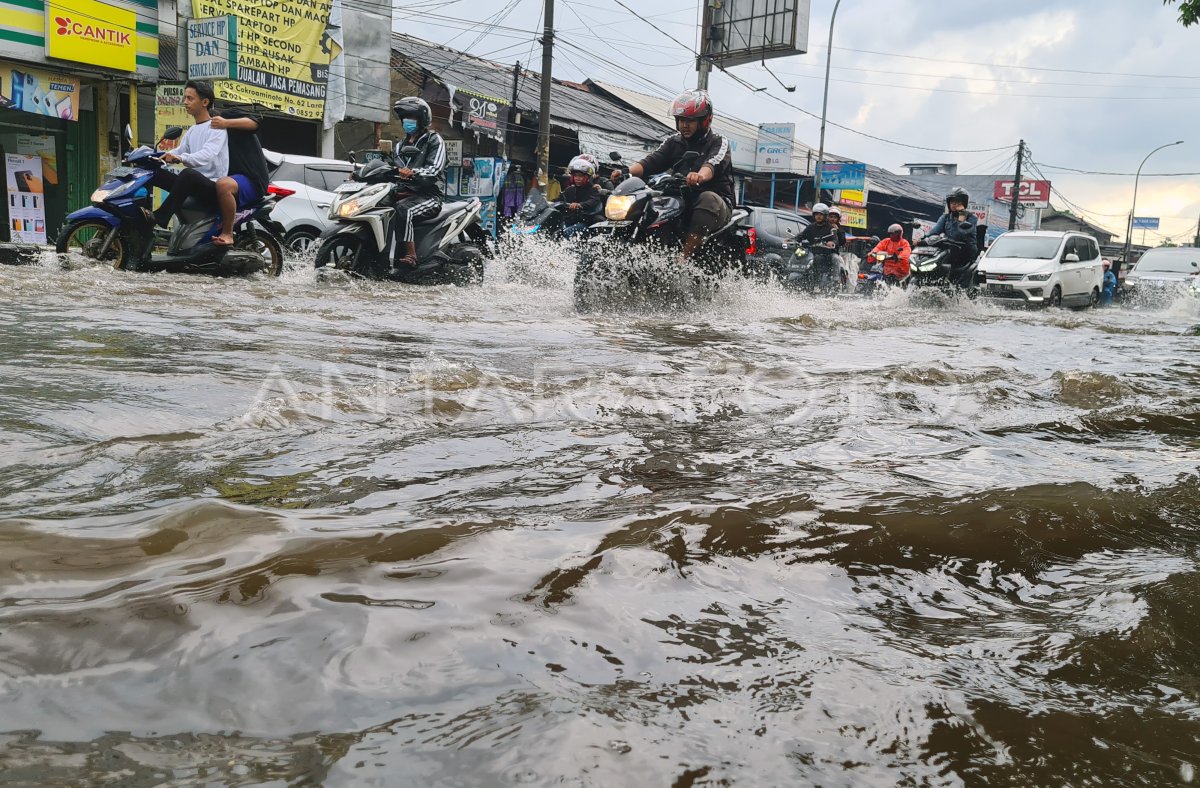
<point>305,214</point>
<point>1043,267</point>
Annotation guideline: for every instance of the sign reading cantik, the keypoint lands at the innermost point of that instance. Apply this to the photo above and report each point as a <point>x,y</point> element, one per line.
<point>87,31</point>
<point>1033,194</point>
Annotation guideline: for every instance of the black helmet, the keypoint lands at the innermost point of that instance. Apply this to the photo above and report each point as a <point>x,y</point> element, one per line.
<point>415,108</point>
<point>958,195</point>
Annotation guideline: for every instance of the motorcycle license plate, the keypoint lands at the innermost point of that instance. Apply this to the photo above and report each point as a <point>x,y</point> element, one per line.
<point>349,186</point>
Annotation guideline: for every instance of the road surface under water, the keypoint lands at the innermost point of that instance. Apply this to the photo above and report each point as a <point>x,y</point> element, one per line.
<point>306,531</point>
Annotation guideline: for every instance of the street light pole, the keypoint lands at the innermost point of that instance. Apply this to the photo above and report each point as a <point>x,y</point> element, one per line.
<point>825,104</point>
<point>1133,207</point>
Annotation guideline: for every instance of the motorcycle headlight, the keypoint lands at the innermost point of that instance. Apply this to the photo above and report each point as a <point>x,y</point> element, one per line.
<point>1038,277</point>
<point>100,195</point>
<point>361,201</point>
<point>617,207</point>
<point>925,265</point>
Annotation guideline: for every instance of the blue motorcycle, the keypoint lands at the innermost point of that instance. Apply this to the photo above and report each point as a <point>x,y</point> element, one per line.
<point>114,227</point>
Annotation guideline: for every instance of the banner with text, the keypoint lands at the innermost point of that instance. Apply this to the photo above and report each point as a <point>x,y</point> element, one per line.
<point>26,198</point>
<point>283,53</point>
<point>836,175</point>
<point>1032,194</point>
<point>1145,222</point>
<point>31,89</point>
<point>775,144</point>
<point>854,217</point>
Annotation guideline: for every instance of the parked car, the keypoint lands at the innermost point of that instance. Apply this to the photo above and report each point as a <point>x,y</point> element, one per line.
<point>305,214</point>
<point>1164,269</point>
<point>775,234</point>
<point>1044,268</point>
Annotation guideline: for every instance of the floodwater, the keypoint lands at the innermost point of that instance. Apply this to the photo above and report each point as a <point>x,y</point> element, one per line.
<point>273,532</point>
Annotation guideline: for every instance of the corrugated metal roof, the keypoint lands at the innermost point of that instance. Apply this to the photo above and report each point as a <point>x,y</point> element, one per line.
<point>568,105</point>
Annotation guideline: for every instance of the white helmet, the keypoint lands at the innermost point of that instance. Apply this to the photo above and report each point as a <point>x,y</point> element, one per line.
<point>582,166</point>
<point>895,228</point>
<point>820,208</point>
<point>835,211</point>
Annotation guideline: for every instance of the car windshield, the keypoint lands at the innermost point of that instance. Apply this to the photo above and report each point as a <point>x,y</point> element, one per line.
<point>1177,262</point>
<point>1028,247</point>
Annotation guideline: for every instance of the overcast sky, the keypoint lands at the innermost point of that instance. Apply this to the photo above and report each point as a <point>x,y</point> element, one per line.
<point>1089,84</point>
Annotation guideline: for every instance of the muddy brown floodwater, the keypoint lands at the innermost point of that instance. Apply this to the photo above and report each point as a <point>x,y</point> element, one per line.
<point>316,531</point>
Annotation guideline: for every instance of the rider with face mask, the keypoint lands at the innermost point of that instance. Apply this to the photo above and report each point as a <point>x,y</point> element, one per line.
<point>958,224</point>
<point>583,199</point>
<point>895,267</point>
<point>822,232</point>
<point>712,173</point>
<point>422,181</point>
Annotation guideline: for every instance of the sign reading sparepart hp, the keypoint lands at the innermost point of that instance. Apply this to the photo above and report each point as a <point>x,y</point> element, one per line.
<point>283,53</point>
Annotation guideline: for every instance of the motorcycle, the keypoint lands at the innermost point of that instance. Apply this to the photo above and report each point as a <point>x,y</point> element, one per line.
<point>815,268</point>
<point>930,265</point>
<point>451,246</point>
<point>653,214</point>
<point>871,279</point>
<point>114,228</point>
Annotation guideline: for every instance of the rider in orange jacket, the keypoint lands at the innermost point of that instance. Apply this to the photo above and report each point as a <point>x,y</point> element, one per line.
<point>895,268</point>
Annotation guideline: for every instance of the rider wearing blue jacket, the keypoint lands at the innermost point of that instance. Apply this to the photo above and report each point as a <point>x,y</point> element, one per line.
<point>958,224</point>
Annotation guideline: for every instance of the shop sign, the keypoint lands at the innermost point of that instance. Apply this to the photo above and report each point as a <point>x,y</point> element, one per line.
<point>843,175</point>
<point>212,47</point>
<point>853,197</point>
<point>30,89</point>
<point>854,217</point>
<point>26,198</point>
<point>774,148</point>
<point>283,51</point>
<point>87,31</point>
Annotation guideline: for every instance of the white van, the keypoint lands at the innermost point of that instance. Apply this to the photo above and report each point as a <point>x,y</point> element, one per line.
<point>1043,267</point>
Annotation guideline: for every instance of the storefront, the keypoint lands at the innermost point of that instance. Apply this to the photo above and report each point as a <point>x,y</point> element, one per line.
<point>69,83</point>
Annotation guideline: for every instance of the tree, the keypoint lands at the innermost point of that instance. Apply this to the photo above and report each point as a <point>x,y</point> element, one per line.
<point>1189,11</point>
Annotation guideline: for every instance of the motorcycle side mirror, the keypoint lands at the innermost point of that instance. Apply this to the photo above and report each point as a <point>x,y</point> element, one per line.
<point>129,134</point>
<point>614,155</point>
<point>172,133</point>
<point>350,157</point>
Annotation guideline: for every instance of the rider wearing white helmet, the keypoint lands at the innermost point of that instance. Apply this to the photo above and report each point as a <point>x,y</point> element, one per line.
<point>583,199</point>
<point>822,232</point>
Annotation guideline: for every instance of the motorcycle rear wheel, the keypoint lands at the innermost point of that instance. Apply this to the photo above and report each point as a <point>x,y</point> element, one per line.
<point>265,245</point>
<point>85,237</point>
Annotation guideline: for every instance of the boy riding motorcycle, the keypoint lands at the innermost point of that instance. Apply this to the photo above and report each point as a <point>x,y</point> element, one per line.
<point>712,206</point>
<point>822,232</point>
<point>958,224</point>
<point>583,198</point>
<point>422,183</point>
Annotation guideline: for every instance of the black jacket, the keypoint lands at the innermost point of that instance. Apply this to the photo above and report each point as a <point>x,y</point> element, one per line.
<point>245,151</point>
<point>428,166</point>
<point>714,151</point>
<point>817,234</point>
<point>590,199</point>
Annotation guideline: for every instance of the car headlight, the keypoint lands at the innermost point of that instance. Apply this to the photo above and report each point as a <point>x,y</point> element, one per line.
<point>617,207</point>
<point>1038,277</point>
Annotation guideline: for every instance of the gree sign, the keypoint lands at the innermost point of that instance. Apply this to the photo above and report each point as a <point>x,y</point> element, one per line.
<point>1032,194</point>
<point>774,150</point>
<point>91,32</point>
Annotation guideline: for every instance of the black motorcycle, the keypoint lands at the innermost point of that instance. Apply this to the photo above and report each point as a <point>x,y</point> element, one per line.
<point>451,246</point>
<point>652,216</point>
<point>930,265</point>
<point>815,268</point>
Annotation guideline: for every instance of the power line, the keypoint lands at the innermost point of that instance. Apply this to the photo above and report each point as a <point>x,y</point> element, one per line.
<point>1123,174</point>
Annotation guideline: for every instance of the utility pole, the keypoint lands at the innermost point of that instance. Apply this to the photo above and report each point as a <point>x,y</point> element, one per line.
<point>825,104</point>
<point>1016,193</point>
<point>543,143</point>
<point>512,111</point>
<point>703,65</point>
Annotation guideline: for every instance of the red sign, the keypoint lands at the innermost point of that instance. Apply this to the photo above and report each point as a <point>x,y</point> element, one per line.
<point>1033,194</point>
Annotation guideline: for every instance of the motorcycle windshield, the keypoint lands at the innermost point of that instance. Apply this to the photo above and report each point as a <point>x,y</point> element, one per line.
<point>535,203</point>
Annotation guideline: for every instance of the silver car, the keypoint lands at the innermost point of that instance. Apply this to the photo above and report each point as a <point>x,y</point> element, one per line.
<point>305,214</point>
<point>1165,270</point>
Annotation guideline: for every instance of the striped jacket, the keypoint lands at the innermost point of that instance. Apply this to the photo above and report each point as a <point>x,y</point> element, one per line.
<point>713,150</point>
<point>428,166</point>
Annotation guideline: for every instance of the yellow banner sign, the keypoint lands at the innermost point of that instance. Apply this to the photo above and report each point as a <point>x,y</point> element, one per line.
<point>87,31</point>
<point>854,217</point>
<point>30,89</point>
<point>283,53</point>
<point>855,197</point>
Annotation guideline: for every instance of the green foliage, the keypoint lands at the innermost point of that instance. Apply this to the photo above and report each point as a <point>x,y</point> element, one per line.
<point>1189,11</point>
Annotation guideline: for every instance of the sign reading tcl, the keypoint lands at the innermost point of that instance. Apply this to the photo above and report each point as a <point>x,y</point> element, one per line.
<point>87,31</point>
<point>1033,194</point>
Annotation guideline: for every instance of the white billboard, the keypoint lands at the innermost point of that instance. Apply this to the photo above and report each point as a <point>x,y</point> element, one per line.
<point>775,143</point>
<point>747,31</point>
